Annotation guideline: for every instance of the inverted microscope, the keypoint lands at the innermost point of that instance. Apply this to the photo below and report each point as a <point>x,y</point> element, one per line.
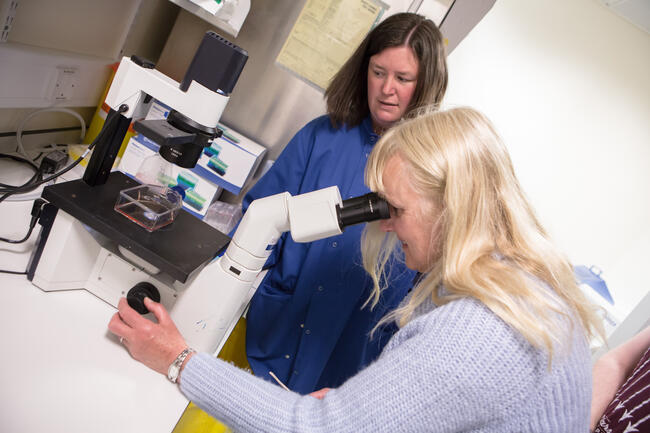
<point>86,244</point>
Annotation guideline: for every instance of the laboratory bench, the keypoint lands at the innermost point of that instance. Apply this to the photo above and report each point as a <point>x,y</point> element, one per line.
<point>61,370</point>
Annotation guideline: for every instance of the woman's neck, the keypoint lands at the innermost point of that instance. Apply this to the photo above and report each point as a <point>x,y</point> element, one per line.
<point>379,130</point>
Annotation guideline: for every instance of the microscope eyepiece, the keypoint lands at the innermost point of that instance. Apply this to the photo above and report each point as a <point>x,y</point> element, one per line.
<point>365,208</point>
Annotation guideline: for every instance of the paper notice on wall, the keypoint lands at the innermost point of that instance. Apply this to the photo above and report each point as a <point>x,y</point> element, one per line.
<point>324,36</point>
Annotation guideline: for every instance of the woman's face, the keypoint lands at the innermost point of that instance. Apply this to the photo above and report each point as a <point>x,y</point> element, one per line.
<point>392,76</point>
<point>417,230</point>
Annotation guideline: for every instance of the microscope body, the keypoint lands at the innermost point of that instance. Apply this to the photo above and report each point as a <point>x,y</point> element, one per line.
<point>208,304</point>
<point>85,244</point>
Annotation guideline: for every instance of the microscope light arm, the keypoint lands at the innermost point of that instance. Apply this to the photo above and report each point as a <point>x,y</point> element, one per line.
<point>133,82</point>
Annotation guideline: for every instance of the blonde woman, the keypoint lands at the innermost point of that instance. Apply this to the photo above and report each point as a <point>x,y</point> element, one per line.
<point>493,338</point>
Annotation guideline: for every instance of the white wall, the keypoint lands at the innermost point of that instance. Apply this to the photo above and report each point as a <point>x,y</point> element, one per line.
<point>87,35</point>
<point>567,83</point>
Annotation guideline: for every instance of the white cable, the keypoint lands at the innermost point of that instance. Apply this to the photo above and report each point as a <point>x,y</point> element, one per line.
<point>19,131</point>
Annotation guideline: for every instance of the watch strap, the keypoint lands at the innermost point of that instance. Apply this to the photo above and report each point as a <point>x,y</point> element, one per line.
<point>175,367</point>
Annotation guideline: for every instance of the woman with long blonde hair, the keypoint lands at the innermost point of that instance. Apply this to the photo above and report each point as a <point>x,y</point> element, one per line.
<point>493,337</point>
<point>491,242</point>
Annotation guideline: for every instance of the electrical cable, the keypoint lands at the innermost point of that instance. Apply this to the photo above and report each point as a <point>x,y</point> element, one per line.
<point>36,213</point>
<point>19,159</point>
<point>9,189</point>
<point>38,173</point>
<point>19,132</point>
<point>38,204</point>
<point>4,188</point>
<point>37,207</point>
<point>13,272</point>
<point>34,185</point>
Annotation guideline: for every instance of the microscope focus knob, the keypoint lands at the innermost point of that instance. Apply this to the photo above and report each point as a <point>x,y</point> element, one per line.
<point>135,296</point>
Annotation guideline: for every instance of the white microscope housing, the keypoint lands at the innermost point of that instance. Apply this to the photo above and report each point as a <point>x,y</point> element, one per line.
<point>86,244</point>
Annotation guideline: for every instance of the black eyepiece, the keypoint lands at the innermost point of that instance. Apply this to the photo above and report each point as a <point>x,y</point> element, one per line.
<point>365,208</point>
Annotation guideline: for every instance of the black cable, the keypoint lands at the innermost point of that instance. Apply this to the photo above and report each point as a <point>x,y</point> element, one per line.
<point>13,272</point>
<point>38,203</point>
<point>32,224</point>
<point>6,187</point>
<point>19,159</point>
<point>11,189</point>
<point>37,207</point>
<point>38,156</point>
<point>31,187</point>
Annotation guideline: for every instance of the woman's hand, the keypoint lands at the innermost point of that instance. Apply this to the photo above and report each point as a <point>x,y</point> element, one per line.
<point>156,345</point>
<point>320,393</point>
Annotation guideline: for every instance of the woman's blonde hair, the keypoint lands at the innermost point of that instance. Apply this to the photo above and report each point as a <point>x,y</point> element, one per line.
<point>493,247</point>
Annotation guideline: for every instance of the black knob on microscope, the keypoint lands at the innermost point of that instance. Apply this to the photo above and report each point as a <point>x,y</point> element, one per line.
<point>135,296</point>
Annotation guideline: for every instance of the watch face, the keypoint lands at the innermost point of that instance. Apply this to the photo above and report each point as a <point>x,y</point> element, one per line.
<point>172,374</point>
<point>175,368</point>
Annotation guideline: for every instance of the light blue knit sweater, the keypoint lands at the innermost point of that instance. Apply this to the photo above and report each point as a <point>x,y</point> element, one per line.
<point>455,368</point>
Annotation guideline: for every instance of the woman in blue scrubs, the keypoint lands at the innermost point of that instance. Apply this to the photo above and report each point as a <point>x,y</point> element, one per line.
<point>308,322</point>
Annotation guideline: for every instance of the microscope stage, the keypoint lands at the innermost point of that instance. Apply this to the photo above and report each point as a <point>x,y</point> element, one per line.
<point>176,249</point>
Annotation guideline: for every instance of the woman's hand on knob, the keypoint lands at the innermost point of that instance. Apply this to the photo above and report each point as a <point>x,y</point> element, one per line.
<point>156,345</point>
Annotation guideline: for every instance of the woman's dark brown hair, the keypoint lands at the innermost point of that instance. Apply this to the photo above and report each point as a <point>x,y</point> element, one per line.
<point>347,93</point>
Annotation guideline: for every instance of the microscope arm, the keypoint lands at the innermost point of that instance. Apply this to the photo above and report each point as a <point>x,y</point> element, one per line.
<point>134,81</point>
<point>208,309</point>
<point>308,217</point>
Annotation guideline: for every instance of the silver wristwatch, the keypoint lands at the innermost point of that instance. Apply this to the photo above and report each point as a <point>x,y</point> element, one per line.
<point>175,367</point>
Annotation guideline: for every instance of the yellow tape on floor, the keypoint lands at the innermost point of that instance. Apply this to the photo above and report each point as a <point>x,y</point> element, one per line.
<point>194,420</point>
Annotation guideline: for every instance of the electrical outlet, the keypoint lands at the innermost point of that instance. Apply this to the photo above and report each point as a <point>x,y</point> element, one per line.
<point>32,77</point>
<point>65,83</point>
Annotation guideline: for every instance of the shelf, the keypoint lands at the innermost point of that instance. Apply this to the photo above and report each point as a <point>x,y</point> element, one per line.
<point>230,26</point>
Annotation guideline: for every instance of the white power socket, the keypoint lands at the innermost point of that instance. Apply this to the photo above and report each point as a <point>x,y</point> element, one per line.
<point>32,77</point>
<point>7,17</point>
<point>65,83</point>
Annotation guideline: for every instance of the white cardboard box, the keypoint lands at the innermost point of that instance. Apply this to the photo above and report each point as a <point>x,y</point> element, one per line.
<point>229,162</point>
<point>197,198</point>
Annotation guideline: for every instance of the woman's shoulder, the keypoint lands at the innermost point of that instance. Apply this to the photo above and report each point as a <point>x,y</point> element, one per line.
<point>465,310</point>
<point>492,362</point>
<point>472,327</point>
<point>322,127</point>
<point>469,325</point>
<point>320,124</point>
<point>303,141</point>
<point>319,137</point>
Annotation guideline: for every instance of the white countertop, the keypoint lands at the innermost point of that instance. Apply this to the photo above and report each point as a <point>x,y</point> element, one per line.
<point>60,369</point>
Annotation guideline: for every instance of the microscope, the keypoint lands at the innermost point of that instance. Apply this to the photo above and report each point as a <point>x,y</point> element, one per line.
<point>86,244</point>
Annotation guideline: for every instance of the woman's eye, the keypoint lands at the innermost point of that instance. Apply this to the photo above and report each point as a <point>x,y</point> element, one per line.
<point>394,212</point>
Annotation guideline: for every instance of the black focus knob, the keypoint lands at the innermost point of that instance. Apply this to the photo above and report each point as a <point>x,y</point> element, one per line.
<point>135,296</point>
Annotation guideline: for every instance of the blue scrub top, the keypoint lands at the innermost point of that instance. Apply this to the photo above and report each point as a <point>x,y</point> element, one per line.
<point>305,322</point>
